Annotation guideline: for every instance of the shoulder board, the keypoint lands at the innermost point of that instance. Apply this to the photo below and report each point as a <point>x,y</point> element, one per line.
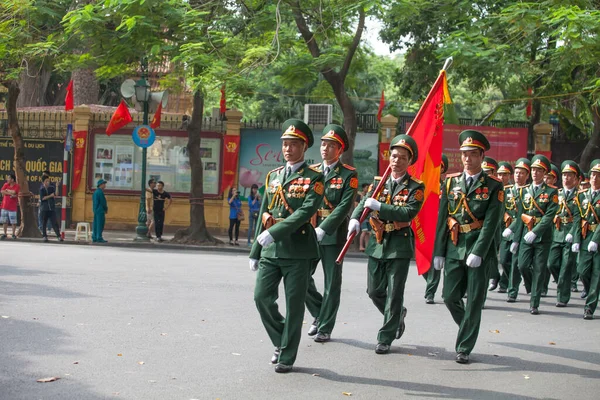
<point>276,169</point>
<point>377,178</point>
<point>412,178</point>
<point>454,175</point>
<point>314,169</point>
<point>582,191</point>
<point>525,186</point>
<point>315,165</point>
<point>552,186</point>
<point>495,178</point>
<point>350,167</point>
<point>508,186</point>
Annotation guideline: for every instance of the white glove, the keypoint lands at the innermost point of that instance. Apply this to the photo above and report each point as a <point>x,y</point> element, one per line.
<point>529,237</point>
<point>265,239</point>
<point>253,264</point>
<point>320,234</point>
<point>507,233</point>
<point>593,247</point>
<point>569,238</point>
<point>438,263</point>
<point>575,247</point>
<point>514,247</point>
<point>372,204</point>
<point>353,226</point>
<point>473,261</point>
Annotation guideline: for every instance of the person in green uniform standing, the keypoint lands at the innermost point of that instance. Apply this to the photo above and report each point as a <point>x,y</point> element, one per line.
<point>432,277</point>
<point>550,179</point>
<point>586,240</point>
<point>561,261</point>
<point>100,208</point>
<point>341,184</point>
<point>534,229</point>
<point>504,173</point>
<point>286,243</point>
<point>392,244</point>
<point>470,211</point>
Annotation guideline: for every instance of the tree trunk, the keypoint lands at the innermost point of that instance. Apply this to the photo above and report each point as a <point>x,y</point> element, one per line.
<point>86,87</point>
<point>349,112</point>
<point>197,232</point>
<point>28,226</point>
<point>33,89</point>
<point>592,148</point>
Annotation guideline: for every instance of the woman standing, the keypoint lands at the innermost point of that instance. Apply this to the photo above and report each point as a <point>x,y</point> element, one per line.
<point>235,215</point>
<point>254,209</point>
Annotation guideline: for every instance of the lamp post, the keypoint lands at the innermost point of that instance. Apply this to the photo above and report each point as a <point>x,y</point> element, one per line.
<point>142,95</point>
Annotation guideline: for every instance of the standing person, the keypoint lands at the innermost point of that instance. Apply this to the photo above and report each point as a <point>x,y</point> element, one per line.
<point>100,208</point>
<point>490,166</point>
<point>365,228</point>
<point>552,176</point>
<point>150,207</point>
<point>432,277</point>
<point>47,207</point>
<point>588,237</point>
<point>392,244</point>
<point>341,184</point>
<point>10,190</point>
<point>235,207</point>
<point>253,209</point>
<point>504,173</point>
<point>162,201</point>
<point>45,174</point>
<point>561,261</point>
<point>470,212</point>
<point>534,229</point>
<point>286,243</point>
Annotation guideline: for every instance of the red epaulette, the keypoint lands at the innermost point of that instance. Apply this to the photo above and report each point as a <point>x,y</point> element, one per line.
<point>495,178</point>
<point>350,167</point>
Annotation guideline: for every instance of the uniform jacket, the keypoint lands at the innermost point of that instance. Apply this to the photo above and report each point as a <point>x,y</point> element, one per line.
<point>99,202</point>
<point>568,207</point>
<point>511,209</point>
<point>547,201</point>
<point>589,204</point>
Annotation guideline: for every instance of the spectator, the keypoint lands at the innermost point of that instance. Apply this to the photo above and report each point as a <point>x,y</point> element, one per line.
<point>100,209</point>
<point>254,209</point>
<point>365,228</point>
<point>150,206</point>
<point>47,207</point>
<point>8,214</point>
<point>162,201</point>
<point>235,212</point>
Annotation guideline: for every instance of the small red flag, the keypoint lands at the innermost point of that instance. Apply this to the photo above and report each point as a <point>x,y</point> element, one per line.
<point>529,103</point>
<point>381,105</point>
<point>69,96</point>
<point>157,115</point>
<point>223,103</point>
<point>120,118</point>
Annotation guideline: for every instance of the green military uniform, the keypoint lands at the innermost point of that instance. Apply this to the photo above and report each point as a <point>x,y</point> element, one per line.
<point>100,208</point>
<point>391,245</point>
<point>432,276</point>
<point>504,254</point>
<point>588,238</point>
<point>548,272</point>
<point>539,208</point>
<point>469,217</point>
<point>561,261</point>
<point>341,184</point>
<point>291,198</point>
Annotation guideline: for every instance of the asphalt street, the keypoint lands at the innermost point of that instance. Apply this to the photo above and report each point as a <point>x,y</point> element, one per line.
<point>121,323</point>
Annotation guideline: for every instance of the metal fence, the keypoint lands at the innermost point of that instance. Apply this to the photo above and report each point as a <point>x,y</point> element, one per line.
<point>37,125</point>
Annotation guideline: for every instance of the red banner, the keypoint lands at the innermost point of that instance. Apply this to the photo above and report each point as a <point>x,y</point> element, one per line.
<point>79,140</point>
<point>231,151</point>
<point>383,159</point>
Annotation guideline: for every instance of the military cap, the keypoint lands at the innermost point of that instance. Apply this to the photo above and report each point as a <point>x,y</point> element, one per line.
<point>470,140</point>
<point>570,166</point>
<point>337,134</point>
<point>444,164</point>
<point>505,168</point>
<point>523,163</point>
<point>489,165</point>
<point>541,161</point>
<point>407,143</point>
<point>594,166</point>
<point>100,182</point>
<point>297,129</point>
<point>554,171</point>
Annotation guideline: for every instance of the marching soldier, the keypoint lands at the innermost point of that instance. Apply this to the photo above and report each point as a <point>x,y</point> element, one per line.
<point>470,212</point>
<point>490,166</point>
<point>504,173</point>
<point>432,277</point>
<point>550,179</point>
<point>391,245</point>
<point>534,229</point>
<point>341,184</point>
<point>286,243</point>
<point>552,176</point>
<point>561,261</point>
<point>586,240</point>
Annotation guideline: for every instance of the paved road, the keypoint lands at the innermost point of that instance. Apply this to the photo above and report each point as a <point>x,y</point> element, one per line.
<point>117,323</point>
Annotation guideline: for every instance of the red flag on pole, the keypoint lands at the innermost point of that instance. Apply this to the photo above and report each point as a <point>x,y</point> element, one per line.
<point>529,103</point>
<point>120,118</point>
<point>381,105</point>
<point>157,116</point>
<point>427,129</point>
<point>69,97</point>
<point>223,103</point>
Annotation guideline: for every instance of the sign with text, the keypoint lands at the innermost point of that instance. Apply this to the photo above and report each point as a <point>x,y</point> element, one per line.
<point>40,155</point>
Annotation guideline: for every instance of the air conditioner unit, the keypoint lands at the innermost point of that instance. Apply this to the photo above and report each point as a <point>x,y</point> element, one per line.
<point>318,114</point>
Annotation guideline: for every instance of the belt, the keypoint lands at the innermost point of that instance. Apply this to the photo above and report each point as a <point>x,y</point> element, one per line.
<point>390,227</point>
<point>566,220</point>
<point>593,227</point>
<point>470,227</point>
<point>276,220</point>
<point>324,213</point>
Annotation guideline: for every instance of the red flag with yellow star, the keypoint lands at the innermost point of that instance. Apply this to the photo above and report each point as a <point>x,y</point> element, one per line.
<point>427,130</point>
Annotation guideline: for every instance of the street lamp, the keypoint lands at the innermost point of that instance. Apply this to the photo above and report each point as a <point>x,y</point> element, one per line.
<point>142,95</point>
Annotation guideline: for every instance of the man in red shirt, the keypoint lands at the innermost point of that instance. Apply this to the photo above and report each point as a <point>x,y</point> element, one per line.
<point>10,193</point>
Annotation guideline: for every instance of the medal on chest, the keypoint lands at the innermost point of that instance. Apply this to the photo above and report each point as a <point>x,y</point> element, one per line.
<point>401,198</point>
<point>335,183</point>
<point>298,188</point>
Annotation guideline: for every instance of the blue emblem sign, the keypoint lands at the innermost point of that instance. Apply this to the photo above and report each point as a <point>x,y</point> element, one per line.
<point>143,136</point>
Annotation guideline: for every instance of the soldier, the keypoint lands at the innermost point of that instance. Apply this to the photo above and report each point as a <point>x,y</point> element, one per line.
<point>585,182</point>
<point>470,212</point>
<point>286,243</point>
<point>552,176</point>
<point>432,277</point>
<point>550,179</point>
<point>561,261</point>
<point>504,173</point>
<point>586,240</point>
<point>490,166</point>
<point>341,184</point>
<point>391,245</point>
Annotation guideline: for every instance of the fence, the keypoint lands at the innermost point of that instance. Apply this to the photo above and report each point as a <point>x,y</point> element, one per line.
<point>37,125</point>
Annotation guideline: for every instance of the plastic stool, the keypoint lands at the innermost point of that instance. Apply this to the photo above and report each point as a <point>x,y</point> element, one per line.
<point>83,230</point>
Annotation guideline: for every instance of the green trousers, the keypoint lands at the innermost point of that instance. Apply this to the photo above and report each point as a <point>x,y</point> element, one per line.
<point>458,280</point>
<point>592,300</point>
<point>561,265</point>
<point>533,261</point>
<point>98,226</point>
<point>385,286</point>
<point>325,307</point>
<point>285,332</point>
<point>514,275</point>
<point>432,277</point>
<point>585,267</point>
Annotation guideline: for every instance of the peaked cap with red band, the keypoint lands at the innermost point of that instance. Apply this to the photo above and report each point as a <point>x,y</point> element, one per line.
<point>336,133</point>
<point>471,140</point>
<point>297,129</point>
<point>408,143</point>
<point>523,163</point>
<point>541,161</point>
<point>505,168</point>
<point>570,166</point>
<point>444,165</point>
<point>554,171</point>
<point>489,165</point>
